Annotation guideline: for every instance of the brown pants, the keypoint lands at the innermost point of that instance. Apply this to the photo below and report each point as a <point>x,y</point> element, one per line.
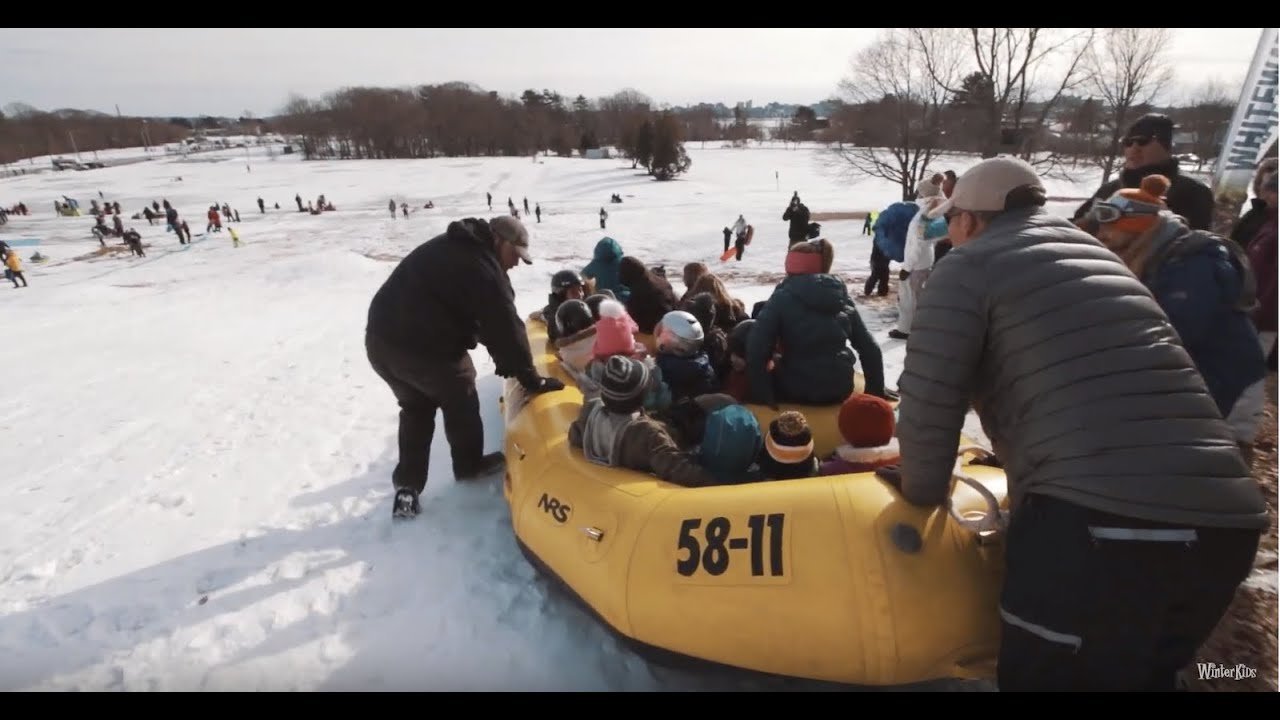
<point>422,386</point>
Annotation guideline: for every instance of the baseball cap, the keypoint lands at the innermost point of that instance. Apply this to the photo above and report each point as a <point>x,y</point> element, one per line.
<point>513,231</point>
<point>983,187</point>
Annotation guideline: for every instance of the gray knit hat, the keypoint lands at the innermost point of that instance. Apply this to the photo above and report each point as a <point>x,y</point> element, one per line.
<point>624,383</point>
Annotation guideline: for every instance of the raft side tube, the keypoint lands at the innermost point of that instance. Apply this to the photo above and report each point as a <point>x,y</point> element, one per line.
<point>834,579</point>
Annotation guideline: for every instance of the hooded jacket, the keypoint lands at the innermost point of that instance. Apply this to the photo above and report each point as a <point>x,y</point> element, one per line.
<point>604,268</point>
<point>449,294</point>
<point>814,318</point>
<point>1192,276</point>
<point>651,295</point>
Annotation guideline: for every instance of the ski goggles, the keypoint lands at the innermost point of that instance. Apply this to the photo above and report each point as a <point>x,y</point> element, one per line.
<point>1109,211</point>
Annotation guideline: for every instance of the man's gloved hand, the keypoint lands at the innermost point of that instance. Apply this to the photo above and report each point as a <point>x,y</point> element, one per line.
<point>891,474</point>
<point>538,385</point>
<point>988,460</point>
<point>903,275</point>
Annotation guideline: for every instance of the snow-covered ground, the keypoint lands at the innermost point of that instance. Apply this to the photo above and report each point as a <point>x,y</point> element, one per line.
<point>197,455</point>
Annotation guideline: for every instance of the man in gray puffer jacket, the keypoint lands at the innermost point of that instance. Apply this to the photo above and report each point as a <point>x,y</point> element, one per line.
<point>1133,516</point>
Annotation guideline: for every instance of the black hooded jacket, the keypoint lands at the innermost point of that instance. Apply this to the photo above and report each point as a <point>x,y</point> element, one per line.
<point>450,293</point>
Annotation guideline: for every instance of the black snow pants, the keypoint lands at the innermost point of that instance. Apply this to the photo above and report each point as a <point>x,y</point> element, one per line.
<point>422,386</point>
<point>1096,601</point>
<point>879,273</point>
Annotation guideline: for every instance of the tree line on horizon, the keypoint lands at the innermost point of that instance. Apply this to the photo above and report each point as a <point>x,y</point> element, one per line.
<point>1057,98</point>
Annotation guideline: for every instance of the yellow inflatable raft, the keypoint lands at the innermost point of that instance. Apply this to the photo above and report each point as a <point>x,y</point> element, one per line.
<point>831,578</point>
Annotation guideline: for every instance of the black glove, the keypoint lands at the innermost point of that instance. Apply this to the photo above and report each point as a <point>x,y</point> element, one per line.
<point>891,474</point>
<point>903,275</point>
<point>990,461</point>
<point>543,385</point>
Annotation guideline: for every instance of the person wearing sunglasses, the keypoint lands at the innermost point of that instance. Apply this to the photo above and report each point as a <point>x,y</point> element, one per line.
<point>1147,150</point>
<point>1205,284</point>
<point>1133,516</point>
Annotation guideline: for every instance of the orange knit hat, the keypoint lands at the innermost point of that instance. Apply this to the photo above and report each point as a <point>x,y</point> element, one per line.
<point>866,421</point>
<point>1135,210</point>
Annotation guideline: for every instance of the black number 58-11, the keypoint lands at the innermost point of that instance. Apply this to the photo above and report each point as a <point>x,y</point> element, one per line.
<point>715,550</point>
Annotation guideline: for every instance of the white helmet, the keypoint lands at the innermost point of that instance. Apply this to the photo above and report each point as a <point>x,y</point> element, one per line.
<point>679,333</point>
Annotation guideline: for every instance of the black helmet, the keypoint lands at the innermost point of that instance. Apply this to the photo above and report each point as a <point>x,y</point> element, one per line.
<point>594,301</point>
<point>738,337</point>
<point>573,316</point>
<point>565,279</point>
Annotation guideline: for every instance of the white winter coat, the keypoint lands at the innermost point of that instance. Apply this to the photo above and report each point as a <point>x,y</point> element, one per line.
<point>918,253</point>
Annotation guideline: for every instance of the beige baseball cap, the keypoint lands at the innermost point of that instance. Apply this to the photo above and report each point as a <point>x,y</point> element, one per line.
<point>513,231</point>
<point>983,187</point>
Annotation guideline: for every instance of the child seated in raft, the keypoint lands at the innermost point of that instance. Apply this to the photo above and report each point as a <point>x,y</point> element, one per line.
<point>788,448</point>
<point>729,310</point>
<point>615,332</point>
<point>686,419</point>
<point>692,273</point>
<point>651,294</point>
<point>812,317</point>
<point>602,271</point>
<point>715,343</point>
<point>576,331</point>
<point>867,425</point>
<point>685,367</point>
<point>737,382</point>
<point>730,443</point>
<point>613,429</point>
<point>593,302</point>
<point>614,336</point>
<point>565,285</point>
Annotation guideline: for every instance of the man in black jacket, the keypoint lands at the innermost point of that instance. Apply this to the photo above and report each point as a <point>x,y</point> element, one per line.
<point>448,294</point>
<point>1147,152</point>
<point>797,213</point>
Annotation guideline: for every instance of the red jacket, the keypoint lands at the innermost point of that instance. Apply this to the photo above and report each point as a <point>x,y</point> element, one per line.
<point>1262,256</point>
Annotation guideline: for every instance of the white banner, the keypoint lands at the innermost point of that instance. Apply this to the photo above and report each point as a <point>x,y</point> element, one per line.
<point>1253,126</point>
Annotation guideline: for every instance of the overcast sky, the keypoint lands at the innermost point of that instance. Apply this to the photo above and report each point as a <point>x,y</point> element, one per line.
<point>226,72</point>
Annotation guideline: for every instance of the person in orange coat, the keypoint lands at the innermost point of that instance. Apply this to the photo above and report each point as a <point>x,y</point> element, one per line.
<point>13,268</point>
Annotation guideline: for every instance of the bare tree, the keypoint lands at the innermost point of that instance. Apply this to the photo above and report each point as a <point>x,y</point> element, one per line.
<point>620,114</point>
<point>1207,116</point>
<point>1127,69</point>
<point>27,132</point>
<point>889,125</point>
<point>1016,63</point>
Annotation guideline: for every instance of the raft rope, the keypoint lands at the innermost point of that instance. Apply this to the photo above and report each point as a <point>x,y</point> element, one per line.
<point>994,519</point>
